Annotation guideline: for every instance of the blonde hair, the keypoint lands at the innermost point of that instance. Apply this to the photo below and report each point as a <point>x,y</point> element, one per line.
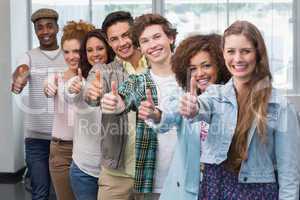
<point>76,30</point>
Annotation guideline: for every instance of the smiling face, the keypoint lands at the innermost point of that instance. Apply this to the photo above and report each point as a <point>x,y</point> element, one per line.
<point>240,57</point>
<point>203,69</point>
<point>155,44</point>
<point>71,53</point>
<point>96,51</point>
<point>119,40</point>
<point>46,31</point>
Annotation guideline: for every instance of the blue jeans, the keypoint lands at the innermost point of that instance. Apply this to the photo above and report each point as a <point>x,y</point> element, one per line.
<point>37,160</point>
<point>84,186</point>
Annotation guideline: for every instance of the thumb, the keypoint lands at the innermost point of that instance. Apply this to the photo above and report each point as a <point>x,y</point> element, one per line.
<point>23,70</point>
<point>79,74</point>
<point>114,88</point>
<point>193,86</point>
<point>56,79</point>
<point>149,96</point>
<point>98,76</point>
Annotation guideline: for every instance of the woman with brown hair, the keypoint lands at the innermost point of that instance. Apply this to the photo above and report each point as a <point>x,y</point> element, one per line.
<point>212,69</point>
<point>253,129</point>
<point>94,49</point>
<point>85,168</point>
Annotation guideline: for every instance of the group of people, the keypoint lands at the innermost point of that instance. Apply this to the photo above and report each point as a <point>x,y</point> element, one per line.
<point>119,113</point>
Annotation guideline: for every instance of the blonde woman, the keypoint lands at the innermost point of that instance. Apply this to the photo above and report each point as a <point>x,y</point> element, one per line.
<point>61,145</point>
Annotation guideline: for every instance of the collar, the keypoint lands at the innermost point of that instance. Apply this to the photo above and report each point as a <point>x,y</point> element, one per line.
<point>229,92</point>
<point>142,65</point>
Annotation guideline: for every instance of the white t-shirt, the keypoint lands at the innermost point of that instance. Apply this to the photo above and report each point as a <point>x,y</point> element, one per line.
<point>165,87</point>
<point>87,130</point>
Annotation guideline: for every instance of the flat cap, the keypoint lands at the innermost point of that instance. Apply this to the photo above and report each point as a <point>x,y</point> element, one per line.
<point>44,13</point>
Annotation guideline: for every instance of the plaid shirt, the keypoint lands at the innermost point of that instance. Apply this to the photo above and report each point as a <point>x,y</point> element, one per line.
<point>133,91</point>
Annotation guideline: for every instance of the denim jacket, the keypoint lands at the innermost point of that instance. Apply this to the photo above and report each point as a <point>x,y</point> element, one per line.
<point>218,107</point>
<point>183,178</point>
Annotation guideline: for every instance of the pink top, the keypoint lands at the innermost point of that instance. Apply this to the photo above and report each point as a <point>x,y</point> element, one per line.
<point>63,122</point>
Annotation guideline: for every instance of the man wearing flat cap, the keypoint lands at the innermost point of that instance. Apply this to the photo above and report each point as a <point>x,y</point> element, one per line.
<point>33,68</point>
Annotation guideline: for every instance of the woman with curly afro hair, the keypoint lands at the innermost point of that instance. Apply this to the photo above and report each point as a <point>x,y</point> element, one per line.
<point>200,55</point>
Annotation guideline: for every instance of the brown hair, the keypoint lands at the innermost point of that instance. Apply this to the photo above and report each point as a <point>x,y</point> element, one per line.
<point>84,65</point>
<point>75,30</point>
<point>143,21</point>
<point>254,105</point>
<point>115,17</point>
<point>188,48</point>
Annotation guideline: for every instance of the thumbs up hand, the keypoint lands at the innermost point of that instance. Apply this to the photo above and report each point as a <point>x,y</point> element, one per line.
<point>112,102</point>
<point>114,90</point>
<point>79,74</point>
<point>51,86</point>
<point>147,109</point>
<point>94,91</point>
<point>76,85</point>
<point>20,78</point>
<point>189,106</point>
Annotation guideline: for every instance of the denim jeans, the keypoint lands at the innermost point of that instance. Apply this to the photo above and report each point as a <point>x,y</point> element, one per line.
<point>84,186</point>
<point>37,160</point>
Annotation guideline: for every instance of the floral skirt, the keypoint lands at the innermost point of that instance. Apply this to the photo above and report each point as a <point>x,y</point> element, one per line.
<point>221,184</point>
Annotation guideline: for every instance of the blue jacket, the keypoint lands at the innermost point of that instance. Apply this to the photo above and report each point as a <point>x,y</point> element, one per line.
<point>218,107</point>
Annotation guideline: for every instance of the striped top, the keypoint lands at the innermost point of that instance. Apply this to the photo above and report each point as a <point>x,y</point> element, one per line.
<point>39,109</point>
<point>63,120</point>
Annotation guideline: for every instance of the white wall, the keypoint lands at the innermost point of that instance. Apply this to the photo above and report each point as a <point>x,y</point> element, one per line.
<point>13,43</point>
<point>6,139</point>
<point>19,45</point>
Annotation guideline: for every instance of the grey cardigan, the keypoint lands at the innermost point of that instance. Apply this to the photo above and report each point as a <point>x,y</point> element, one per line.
<point>114,128</point>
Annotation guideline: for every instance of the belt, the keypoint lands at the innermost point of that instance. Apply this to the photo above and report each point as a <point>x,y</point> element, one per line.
<point>60,141</point>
